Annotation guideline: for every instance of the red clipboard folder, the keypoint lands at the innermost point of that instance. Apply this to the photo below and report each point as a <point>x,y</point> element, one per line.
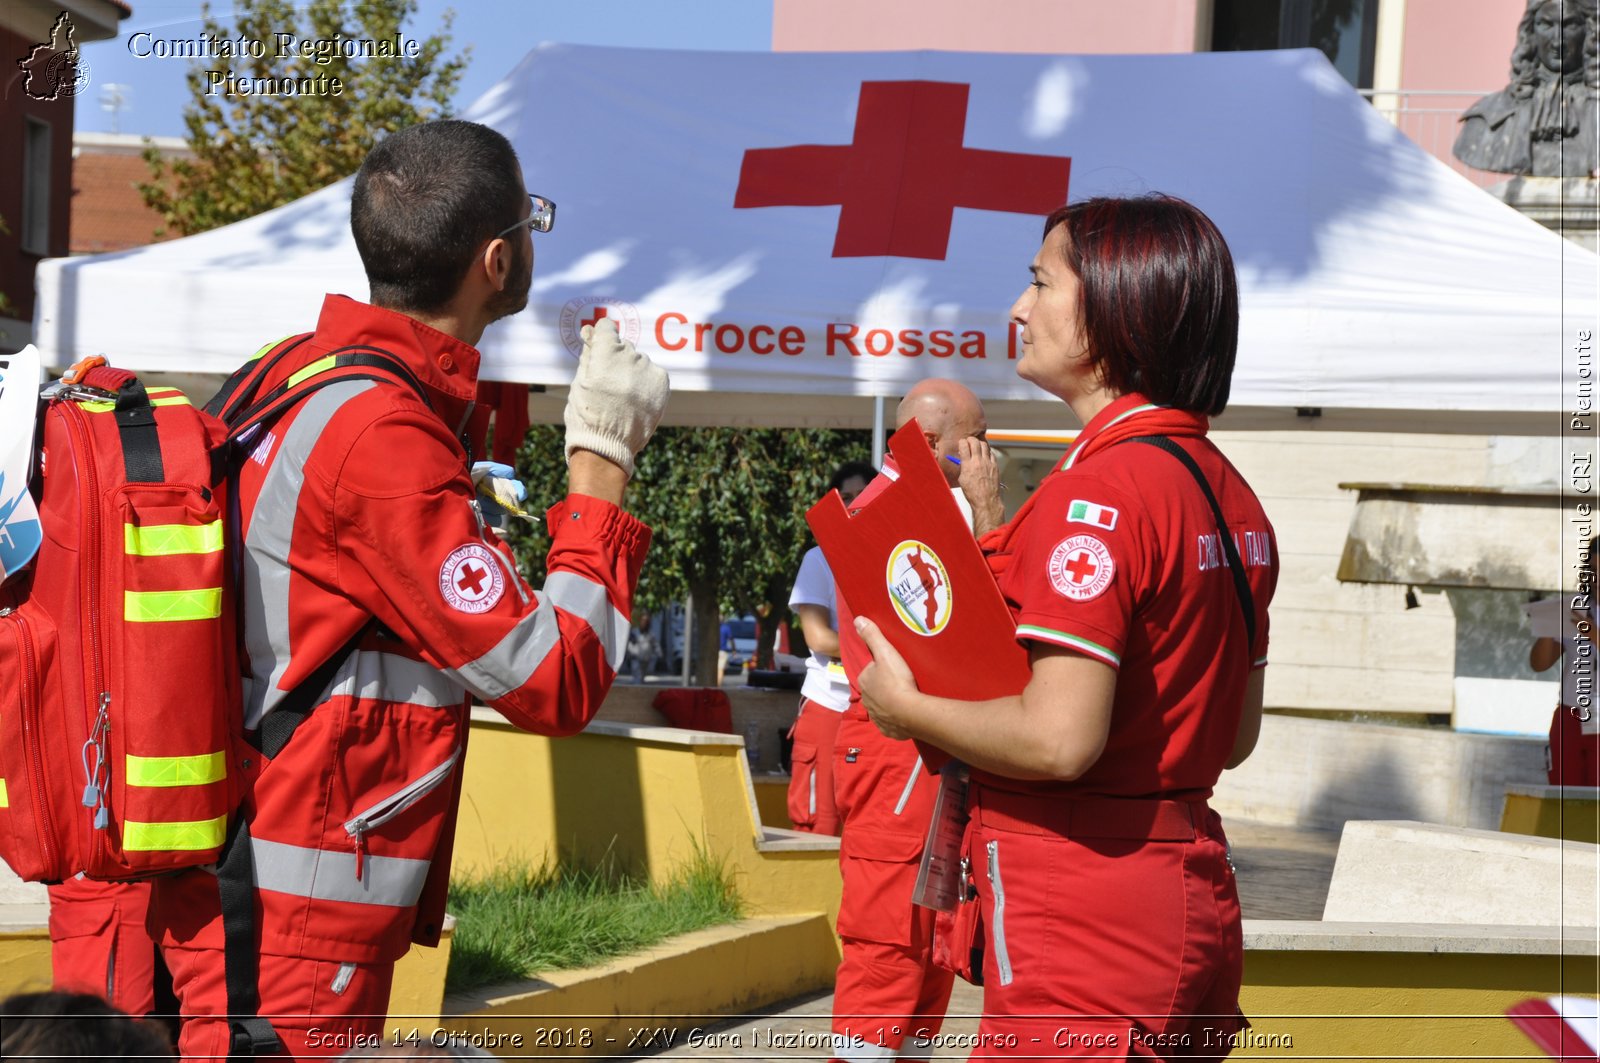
<point>909,563</point>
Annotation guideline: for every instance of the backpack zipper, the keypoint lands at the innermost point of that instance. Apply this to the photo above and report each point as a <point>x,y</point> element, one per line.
<point>361,823</point>
<point>42,822</point>
<point>100,727</point>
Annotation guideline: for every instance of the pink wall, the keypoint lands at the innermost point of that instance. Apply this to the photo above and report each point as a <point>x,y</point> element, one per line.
<point>1453,45</point>
<point>1458,44</point>
<point>1081,26</point>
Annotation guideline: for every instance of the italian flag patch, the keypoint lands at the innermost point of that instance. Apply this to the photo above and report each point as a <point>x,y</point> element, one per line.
<point>1081,512</point>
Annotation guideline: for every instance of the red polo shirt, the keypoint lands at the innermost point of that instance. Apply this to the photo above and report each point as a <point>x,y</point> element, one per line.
<point>1117,556</point>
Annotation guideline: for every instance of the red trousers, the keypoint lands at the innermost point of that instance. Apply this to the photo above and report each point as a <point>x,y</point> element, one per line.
<point>1574,757</point>
<point>99,944</point>
<point>811,804</point>
<point>889,999</point>
<point>318,1007</point>
<point>1102,946</point>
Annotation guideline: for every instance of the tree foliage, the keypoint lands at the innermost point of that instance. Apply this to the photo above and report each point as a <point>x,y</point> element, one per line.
<point>254,151</point>
<point>728,508</point>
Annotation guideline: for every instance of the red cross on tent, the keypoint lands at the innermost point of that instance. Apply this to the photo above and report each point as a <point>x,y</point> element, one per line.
<point>897,184</point>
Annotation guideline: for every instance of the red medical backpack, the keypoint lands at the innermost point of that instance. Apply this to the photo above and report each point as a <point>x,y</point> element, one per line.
<point>120,733</point>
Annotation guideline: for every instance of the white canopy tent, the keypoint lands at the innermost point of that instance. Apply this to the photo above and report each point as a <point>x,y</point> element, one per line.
<point>787,287</point>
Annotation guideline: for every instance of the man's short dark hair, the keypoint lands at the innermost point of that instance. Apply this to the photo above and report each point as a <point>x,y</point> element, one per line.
<point>1160,301</point>
<point>426,200</point>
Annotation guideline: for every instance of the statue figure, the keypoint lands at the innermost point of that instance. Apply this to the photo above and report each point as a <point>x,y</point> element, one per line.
<point>1546,122</point>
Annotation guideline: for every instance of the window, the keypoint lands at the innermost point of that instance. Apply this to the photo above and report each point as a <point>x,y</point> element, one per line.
<point>34,230</point>
<point>1346,31</point>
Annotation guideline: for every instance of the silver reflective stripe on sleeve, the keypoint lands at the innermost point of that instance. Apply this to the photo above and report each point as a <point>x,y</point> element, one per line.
<point>512,662</point>
<point>587,599</point>
<point>375,676</point>
<point>264,579</point>
<point>392,881</point>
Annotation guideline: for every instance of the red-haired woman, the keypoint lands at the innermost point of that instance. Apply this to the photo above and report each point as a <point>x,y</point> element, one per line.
<point>1111,920</point>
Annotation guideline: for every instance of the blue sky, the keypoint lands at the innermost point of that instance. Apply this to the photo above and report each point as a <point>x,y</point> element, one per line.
<point>499,31</point>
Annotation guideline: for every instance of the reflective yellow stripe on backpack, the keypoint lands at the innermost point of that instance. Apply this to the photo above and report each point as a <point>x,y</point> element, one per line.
<point>158,397</point>
<point>197,770</point>
<point>204,603</point>
<point>166,540</point>
<point>183,836</point>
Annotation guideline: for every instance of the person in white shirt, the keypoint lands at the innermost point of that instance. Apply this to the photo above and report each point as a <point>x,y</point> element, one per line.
<point>825,694</point>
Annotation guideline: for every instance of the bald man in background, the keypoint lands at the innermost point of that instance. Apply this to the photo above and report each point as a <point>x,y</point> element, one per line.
<point>889,999</point>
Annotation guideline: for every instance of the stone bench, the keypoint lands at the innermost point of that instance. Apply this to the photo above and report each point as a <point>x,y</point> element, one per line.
<point>1404,871</point>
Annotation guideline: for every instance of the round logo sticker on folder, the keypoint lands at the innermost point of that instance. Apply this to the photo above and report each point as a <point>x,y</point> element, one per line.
<point>919,587</point>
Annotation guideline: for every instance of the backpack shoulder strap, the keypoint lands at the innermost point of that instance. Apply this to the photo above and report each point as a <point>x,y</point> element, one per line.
<point>237,391</point>
<point>1241,583</point>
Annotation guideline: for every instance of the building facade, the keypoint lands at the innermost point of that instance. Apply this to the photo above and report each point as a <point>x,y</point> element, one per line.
<point>38,84</point>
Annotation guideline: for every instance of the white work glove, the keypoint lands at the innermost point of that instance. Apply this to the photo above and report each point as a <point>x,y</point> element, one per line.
<point>617,397</point>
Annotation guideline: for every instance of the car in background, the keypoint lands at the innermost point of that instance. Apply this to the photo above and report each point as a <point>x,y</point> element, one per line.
<point>741,644</point>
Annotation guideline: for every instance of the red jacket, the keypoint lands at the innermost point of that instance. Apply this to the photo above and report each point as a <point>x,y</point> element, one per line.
<point>356,508</point>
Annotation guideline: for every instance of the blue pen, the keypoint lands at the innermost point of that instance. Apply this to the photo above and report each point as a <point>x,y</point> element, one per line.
<point>949,458</point>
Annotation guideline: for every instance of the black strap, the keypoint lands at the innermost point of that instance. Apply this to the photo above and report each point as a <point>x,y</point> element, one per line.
<point>1241,583</point>
<point>279,725</point>
<point>245,410</point>
<point>224,404</point>
<point>249,1034</point>
<point>136,428</point>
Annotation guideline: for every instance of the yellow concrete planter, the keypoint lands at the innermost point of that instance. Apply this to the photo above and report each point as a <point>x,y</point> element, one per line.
<point>1383,991</point>
<point>655,998</point>
<point>1568,812</point>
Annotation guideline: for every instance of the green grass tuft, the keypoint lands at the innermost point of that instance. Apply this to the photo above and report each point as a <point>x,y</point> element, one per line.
<point>519,921</point>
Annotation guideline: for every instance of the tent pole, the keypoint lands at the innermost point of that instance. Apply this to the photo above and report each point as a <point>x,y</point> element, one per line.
<point>877,431</point>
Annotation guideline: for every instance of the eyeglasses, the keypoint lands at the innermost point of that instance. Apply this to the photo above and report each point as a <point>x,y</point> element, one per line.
<point>541,219</point>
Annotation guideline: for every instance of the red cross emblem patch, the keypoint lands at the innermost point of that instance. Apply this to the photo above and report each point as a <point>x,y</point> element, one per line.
<point>1081,567</point>
<point>471,579</point>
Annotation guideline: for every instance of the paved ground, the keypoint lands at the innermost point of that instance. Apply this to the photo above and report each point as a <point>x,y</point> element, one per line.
<point>1283,874</point>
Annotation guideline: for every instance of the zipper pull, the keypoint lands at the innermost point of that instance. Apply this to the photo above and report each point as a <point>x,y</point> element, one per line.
<point>359,837</point>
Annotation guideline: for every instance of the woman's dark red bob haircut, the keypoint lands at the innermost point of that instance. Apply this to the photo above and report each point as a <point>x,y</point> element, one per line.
<point>1160,307</point>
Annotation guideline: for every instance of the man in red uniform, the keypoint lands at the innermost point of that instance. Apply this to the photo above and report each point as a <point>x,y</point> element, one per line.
<point>361,540</point>
<point>888,997</point>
